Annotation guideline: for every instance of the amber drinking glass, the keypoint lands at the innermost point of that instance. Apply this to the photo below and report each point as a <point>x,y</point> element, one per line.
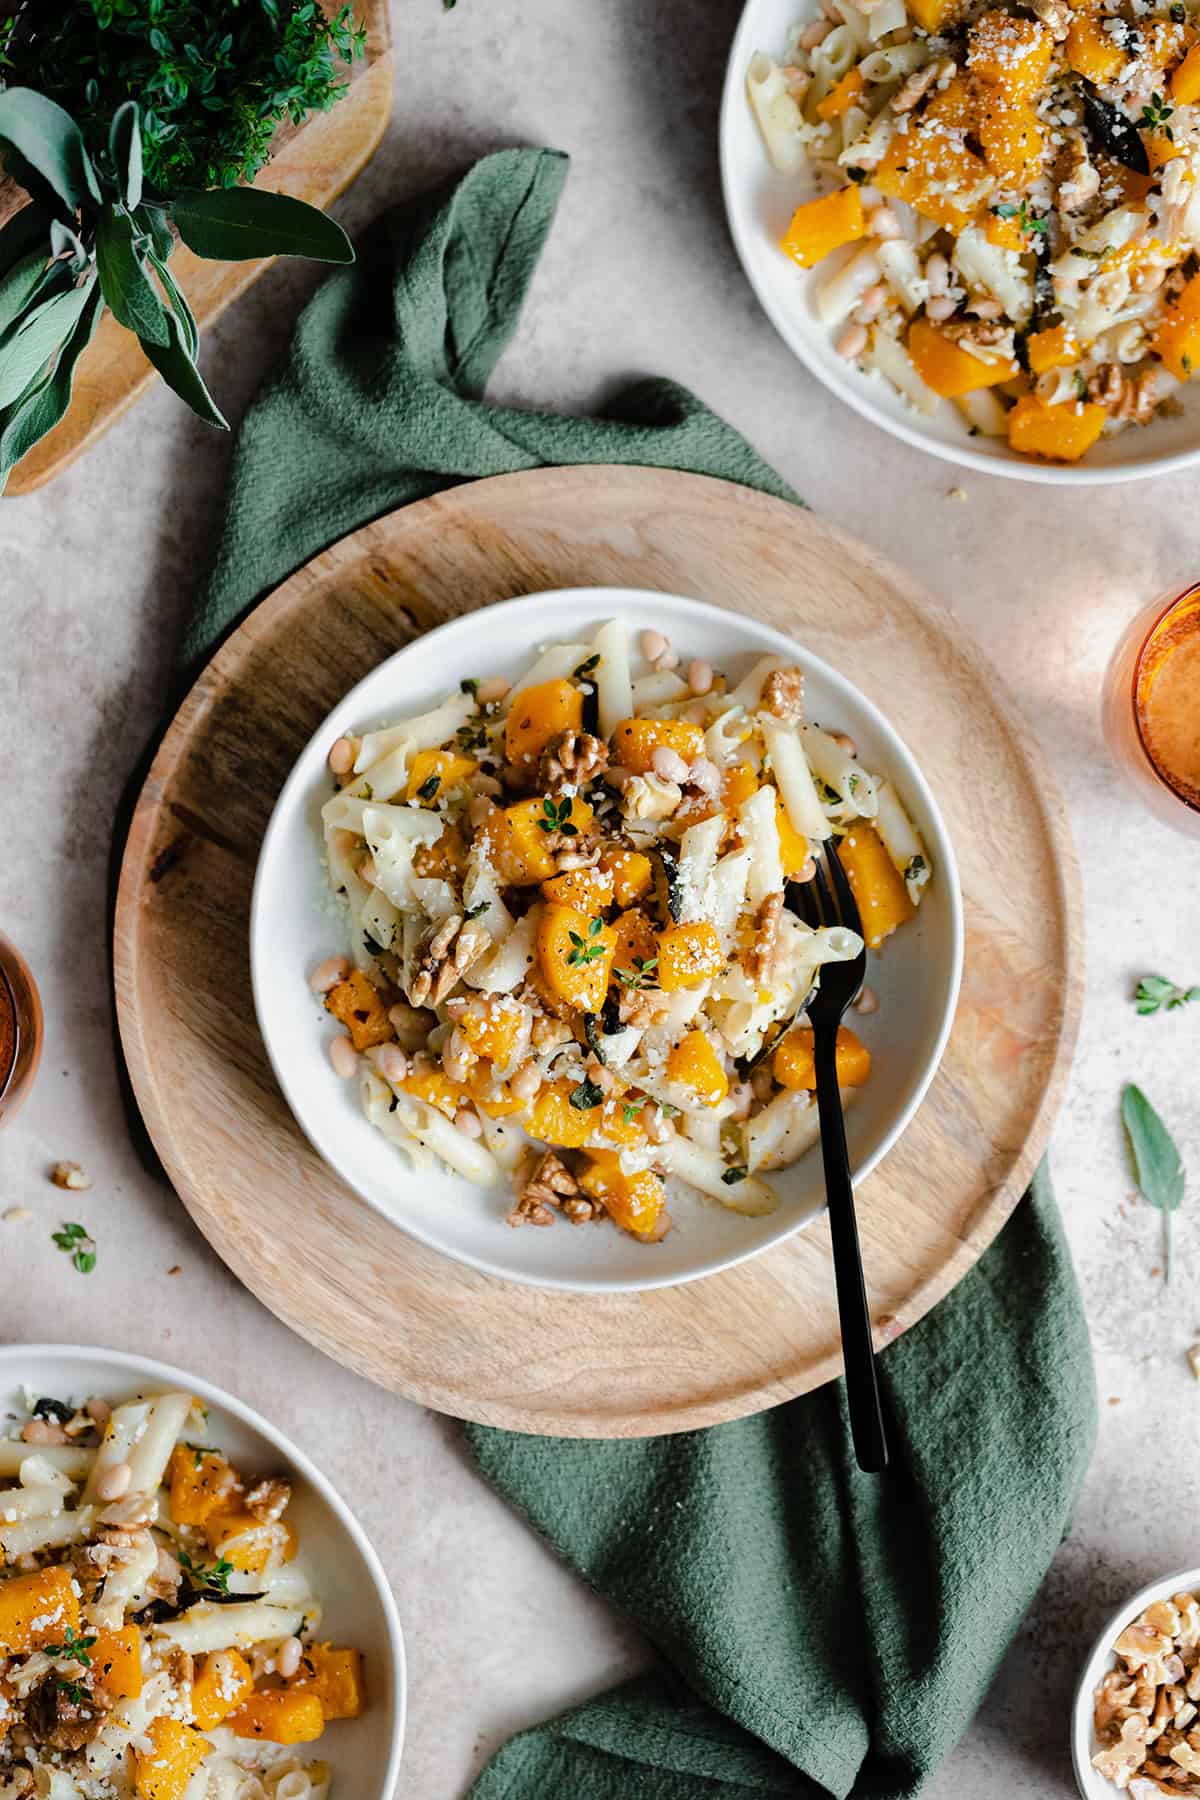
<point>1152,707</point>
<point>20,1029</point>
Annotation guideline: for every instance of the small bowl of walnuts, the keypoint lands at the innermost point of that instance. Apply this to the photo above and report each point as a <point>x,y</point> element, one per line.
<point>1136,1724</point>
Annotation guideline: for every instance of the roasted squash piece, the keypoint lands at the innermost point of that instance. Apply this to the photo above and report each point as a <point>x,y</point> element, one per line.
<point>280,1715</point>
<point>222,1682</point>
<point>1091,52</point>
<point>882,897</point>
<point>694,1064</point>
<point>793,845</point>
<point>164,1770</point>
<point>36,1610</point>
<point>842,95</point>
<point>201,1482</point>
<point>360,1006</point>
<point>1011,135</point>
<point>933,166</point>
<point>435,773</point>
<point>1185,80</point>
<point>553,1118</point>
<point>491,1095</point>
<point>1009,51</point>
<point>536,716</point>
<point>492,1025</point>
<point>1060,433</point>
<point>794,1064</point>
<point>249,1543</point>
<point>637,940</point>
<point>591,890</point>
<point>436,1088</point>
<point>948,370</point>
<point>632,874</point>
<point>820,226</point>
<point>1053,348</point>
<point>575,956</point>
<point>117,1664</point>
<point>635,740</point>
<point>931,15</point>
<point>688,956</point>
<point>637,1203</point>
<point>335,1676</point>
<point>1177,339</point>
<point>522,846</point>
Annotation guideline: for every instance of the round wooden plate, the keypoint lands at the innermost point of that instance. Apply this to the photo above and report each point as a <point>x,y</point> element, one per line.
<point>465,1343</point>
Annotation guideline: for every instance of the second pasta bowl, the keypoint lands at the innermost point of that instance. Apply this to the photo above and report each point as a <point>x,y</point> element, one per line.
<point>520,951</point>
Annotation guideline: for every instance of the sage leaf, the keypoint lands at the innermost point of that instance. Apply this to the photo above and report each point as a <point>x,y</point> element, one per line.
<point>19,286</point>
<point>48,139</point>
<point>189,330</point>
<point>23,232</point>
<point>153,220</point>
<point>179,371</point>
<point>237,224</point>
<point>40,410</point>
<point>134,300</point>
<point>125,148</point>
<point>29,347</point>
<point>1118,136</point>
<point>1157,1163</point>
<point>66,241</point>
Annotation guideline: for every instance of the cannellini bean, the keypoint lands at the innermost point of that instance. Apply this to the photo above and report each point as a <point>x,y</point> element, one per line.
<point>653,645</point>
<point>287,1660</point>
<point>668,765</point>
<point>668,660</point>
<point>98,1410</point>
<point>494,688</point>
<point>342,755</point>
<point>41,1431</point>
<point>343,1056</point>
<point>705,775</point>
<point>881,222</point>
<point>815,34</point>
<point>326,975</point>
<point>114,1482</point>
<point>987,309</point>
<point>845,742</point>
<point>700,676</point>
<point>467,1122</point>
<point>392,1063</point>
<point>937,273</point>
<point>867,1002</point>
<point>852,341</point>
<point>871,304</point>
<point>940,308</point>
<point>526,1082</point>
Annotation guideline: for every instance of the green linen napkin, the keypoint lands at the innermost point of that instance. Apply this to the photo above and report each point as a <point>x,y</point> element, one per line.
<point>821,1631</point>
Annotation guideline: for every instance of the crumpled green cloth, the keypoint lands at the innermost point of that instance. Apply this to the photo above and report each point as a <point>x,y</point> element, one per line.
<point>821,1631</point>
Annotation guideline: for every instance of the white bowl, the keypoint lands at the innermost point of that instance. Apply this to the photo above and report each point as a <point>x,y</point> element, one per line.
<point>1084,1742</point>
<point>294,925</point>
<point>364,1754</point>
<point>760,202</point>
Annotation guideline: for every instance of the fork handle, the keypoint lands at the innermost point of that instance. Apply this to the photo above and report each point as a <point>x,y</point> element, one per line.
<point>862,1384</point>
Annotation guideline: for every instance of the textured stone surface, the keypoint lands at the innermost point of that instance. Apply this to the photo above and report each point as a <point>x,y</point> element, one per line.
<point>96,574</point>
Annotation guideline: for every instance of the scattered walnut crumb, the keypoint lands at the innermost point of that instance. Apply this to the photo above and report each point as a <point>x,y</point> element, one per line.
<point>70,1175</point>
<point>175,1269</point>
<point>572,759</point>
<point>549,1189</point>
<point>1146,1709</point>
<point>783,695</point>
<point>956,493</point>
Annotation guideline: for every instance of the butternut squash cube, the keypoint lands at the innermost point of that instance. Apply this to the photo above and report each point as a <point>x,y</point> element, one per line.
<point>694,1064</point>
<point>250,1544</point>
<point>1011,135</point>
<point>931,15</point>
<point>637,1203</point>
<point>637,940</point>
<point>688,956</point>
<point>1009,51</point>
<point>1185,80</point>
<point>36,1610</point>
<point>492,1026</point>
<point>360,1006</point>
<point>280,1716</point>
<point>553,1119</point>
<point>537,715</point>
<point>523,851</point>
<point>117,1663</point>
<point>575,956</point>
<point>1177,340</point>
<point>223,1681</point>
<point>492,1096</point>
<point>793,845</point>
<point>842,96</point>
<point>932,165</point>
<point>1059,433</point>
<point>335,1676</point>
<point>875,882</point>
<point>202,1482</point>
<point>436,1088</point>
<point>591,890</point>
<point>1091,52</point>
<point>435,773</point>
<point>444,859</point>
<point>632,874</point>
<point>820,226</point>
<point>1053,348</point>
<point>164,1770</point>
<point>794,1064</point>
<point>948,370</point>
<point>635,740</point>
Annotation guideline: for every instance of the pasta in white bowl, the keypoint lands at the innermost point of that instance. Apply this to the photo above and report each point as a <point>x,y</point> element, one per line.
<point>971,132</point>
<point>187,1612</point>
<point>538,887</point>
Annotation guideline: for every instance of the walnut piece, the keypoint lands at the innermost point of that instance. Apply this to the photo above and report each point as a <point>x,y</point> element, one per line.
<point>571,759</point>
<point>444,958</point>
<point>1055,15</point>
<point>1081,181</point>
<point>766,939</point>
<point>70,1175</point>
<point>649,797</point>
<point>544,1192</point>
<point>268,1500</point>
<point>783,695</point>
<point>987,339</point>
<point>1119,1762</point>
<point>915,86</point>
<point>1145,1709</point>
<point>1129,398</point>
<point>642,1007</point>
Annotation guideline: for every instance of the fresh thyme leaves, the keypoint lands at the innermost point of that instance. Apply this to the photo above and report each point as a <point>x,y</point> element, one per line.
<point>587,1095</point>
<point>72,1648</point>
<point>429,788</point>
<point>557,817</point>
<point>1156,1161</point>
<point>586,666</point>
<point>76,1694</point>
<point>368,792</point>
<point>733,1175</point>
<point>586,950</point>
<point>1155,115</point>
<point>75,1240</point>
<point>1079,383</point>
<point>476,912</point>
<point>214,1579</point>
<point>1156,994</point>
<point>470,685</point>
<point>668,1112</point>
<point>471,737</point>
<point>1020,211</point>
<point>641,975</point>
<point>632,1108</point>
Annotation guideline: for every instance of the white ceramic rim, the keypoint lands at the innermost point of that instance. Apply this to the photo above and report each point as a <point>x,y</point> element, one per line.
<point>1091,1784</point>
<point>574,599</point>
<point>855,395</point>
<point>144,1368</point>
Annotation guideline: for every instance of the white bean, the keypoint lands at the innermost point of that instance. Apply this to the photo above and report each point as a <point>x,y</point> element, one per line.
<point>937,273</point>
<point>494,688</point>
<point>98,1410</point>
<point>653,645</point>
<point>526,1082</point>
<point>467,1122</point>
<point>287,1660</point>
<point>815,34</point>
<point>668,660</point>
<point>940,308</point>
<point>852,341</point>
<point>871,304</point>
<point>344,1057</point>
<point>342,755</point>
<point>668,765</point>
<point>40,1431</point>
<point>326,975</point>
<point>114,1482</point>
<point>700,676</point>
<point>806,871</point>
<point>705,775</point>
<point>881,222</point>
<point>392,1063</point>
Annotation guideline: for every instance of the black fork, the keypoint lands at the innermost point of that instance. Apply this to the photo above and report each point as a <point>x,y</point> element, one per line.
<point>828,900</point>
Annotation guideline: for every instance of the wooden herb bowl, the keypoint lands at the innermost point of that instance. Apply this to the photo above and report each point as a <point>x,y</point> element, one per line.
<point>316,162</point>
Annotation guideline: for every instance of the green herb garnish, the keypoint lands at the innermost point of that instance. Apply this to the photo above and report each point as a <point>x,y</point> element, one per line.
<point>1156,1161</point>
<point>79,1245</point>
<point>72,1648</point>
<point>78,1695</point>
<point>429,788</point>
<point>1155,114</point>
<point>737,1173</point>
<point>216,1577</point>
<point>1156,994</point>
<point>586,1095</point>
<point>470,685</point>
<point>556,816</point>
<point>632,1108</point>
<point>586,950</point>
<point>476,912</point>
<point>641,975</point>
<point>1019,210</point>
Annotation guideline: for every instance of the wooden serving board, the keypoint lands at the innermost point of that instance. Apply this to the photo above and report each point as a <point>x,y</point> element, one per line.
<point>342,1276</point>
<point>315,162</point>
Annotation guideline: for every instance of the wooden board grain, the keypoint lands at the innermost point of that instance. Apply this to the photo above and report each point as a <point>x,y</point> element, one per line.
<point>465,1343</point>
<point>315,162</point>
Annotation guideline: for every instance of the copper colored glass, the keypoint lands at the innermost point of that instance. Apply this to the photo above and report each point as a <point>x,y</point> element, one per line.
<point>1152,707</point>
<point>20,1029</point>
